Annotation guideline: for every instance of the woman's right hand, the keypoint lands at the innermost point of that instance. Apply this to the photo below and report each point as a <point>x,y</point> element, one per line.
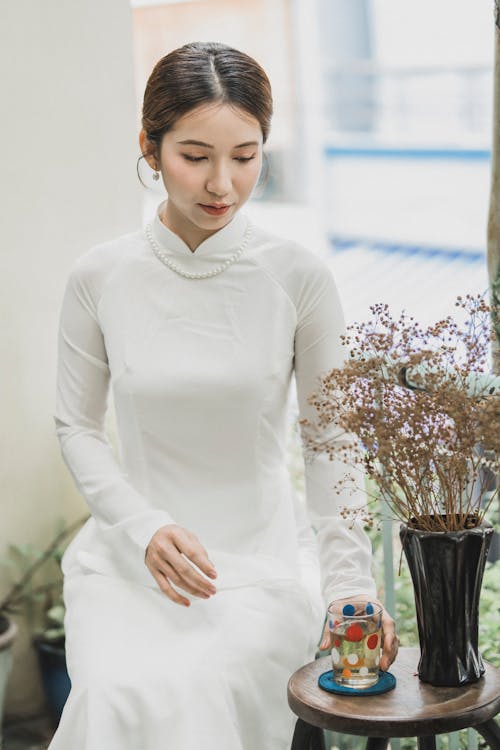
<point>169,555</point>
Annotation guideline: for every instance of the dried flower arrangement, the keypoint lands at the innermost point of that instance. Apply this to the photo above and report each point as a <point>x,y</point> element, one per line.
<point>417,411</point>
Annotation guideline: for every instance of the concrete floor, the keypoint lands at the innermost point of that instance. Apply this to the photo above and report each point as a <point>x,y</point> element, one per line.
<point>28,734</point>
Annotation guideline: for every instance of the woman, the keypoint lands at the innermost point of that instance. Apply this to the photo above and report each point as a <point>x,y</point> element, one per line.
<point>193,592</point>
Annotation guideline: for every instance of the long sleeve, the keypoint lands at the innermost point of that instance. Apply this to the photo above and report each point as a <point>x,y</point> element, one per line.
<point>83,377</point>
<point>344,548</point>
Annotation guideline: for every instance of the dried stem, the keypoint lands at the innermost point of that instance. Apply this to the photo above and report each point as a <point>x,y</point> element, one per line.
<point>16,593</point>
<point>417,409</point>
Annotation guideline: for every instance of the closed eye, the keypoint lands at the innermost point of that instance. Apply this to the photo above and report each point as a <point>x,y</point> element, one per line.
<point>241,159</point>
<point>188,157</point>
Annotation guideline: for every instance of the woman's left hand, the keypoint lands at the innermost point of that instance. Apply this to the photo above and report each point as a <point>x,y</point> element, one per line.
<point>390,641</point>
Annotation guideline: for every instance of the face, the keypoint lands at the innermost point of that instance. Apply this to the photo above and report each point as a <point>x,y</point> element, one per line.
<point>210,163</point>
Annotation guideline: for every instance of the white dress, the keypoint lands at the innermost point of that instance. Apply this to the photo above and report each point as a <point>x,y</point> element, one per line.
<point>201,370</point>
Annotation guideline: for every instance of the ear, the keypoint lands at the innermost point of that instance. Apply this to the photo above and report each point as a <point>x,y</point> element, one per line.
<point>148,150</point>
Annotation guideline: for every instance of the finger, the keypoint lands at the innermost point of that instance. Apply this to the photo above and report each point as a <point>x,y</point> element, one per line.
<point>394,648</point>
<point>197,554</point>
<point>197,590</point>
<point>167,559</point>
<point>389,653</point>
<point>325,640</point>
<point>190,576</point>
<point>390,642</point>
<point>169,590</point>
<point>162,572</point>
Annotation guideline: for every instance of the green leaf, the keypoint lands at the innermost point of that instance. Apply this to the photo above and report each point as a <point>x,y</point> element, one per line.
<point>21,550</point>
<point>56,614</point>
<point>53,634</point>
<point>13,609</point>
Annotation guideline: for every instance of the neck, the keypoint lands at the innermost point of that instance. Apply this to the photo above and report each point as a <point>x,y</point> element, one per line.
<point>189,233</point>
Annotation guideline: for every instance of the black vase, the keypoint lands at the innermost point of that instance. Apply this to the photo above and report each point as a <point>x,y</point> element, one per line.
<point>447,572</point>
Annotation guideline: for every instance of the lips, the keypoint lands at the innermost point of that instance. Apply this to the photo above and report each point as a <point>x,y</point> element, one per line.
<point>213,209</point>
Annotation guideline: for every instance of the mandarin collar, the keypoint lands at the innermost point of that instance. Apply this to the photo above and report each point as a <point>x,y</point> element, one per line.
<point>210,253</point>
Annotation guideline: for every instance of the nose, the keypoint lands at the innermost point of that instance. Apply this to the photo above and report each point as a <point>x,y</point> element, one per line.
<point>219,182</point>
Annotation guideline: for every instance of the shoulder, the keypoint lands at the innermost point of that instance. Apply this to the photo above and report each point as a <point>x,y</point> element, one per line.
<point>92,270</point>
<point>299,270</point>
<point>280,251</point>
<point>105,256</point>
<point>94,267</point>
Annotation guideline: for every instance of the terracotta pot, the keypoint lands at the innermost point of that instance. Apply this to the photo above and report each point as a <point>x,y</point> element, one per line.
<point>447,573</point>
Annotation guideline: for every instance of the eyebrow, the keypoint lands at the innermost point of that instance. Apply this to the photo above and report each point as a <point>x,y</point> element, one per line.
<point>191,142</point>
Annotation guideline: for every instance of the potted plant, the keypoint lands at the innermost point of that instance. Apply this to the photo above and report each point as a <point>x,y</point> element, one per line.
<point>50,646</point>
<point>8,632</point>
<point>416,409</point>
<point>42,606</point>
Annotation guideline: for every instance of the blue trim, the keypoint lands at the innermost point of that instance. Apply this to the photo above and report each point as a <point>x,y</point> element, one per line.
<point>466,154</point>
<point>340,243</point>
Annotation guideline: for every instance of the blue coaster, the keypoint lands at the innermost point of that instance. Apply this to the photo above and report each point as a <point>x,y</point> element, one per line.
<point>386,682</point>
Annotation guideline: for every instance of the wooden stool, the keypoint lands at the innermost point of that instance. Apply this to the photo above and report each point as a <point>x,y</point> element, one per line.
<point>413,708</point>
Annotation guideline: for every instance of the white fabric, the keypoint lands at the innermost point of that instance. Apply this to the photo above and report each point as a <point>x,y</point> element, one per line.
<point>201,372</point>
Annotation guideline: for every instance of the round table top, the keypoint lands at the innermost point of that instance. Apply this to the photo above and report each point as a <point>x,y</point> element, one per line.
<point>413,709</point>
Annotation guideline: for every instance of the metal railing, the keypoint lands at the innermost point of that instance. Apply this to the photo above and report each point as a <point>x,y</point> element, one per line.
<point>431,103</point>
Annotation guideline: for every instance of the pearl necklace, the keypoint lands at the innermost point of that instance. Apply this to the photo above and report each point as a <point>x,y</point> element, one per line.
<point>158,251</point>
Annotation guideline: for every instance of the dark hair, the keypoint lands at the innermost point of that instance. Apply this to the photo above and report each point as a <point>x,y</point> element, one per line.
<point>200,73</point>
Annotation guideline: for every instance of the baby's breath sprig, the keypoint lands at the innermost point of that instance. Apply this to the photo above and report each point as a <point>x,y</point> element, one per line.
<point>418,410</point>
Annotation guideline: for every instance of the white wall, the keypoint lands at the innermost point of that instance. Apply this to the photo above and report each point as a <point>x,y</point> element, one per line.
<point>67,180</point>
<point>448,32</point>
